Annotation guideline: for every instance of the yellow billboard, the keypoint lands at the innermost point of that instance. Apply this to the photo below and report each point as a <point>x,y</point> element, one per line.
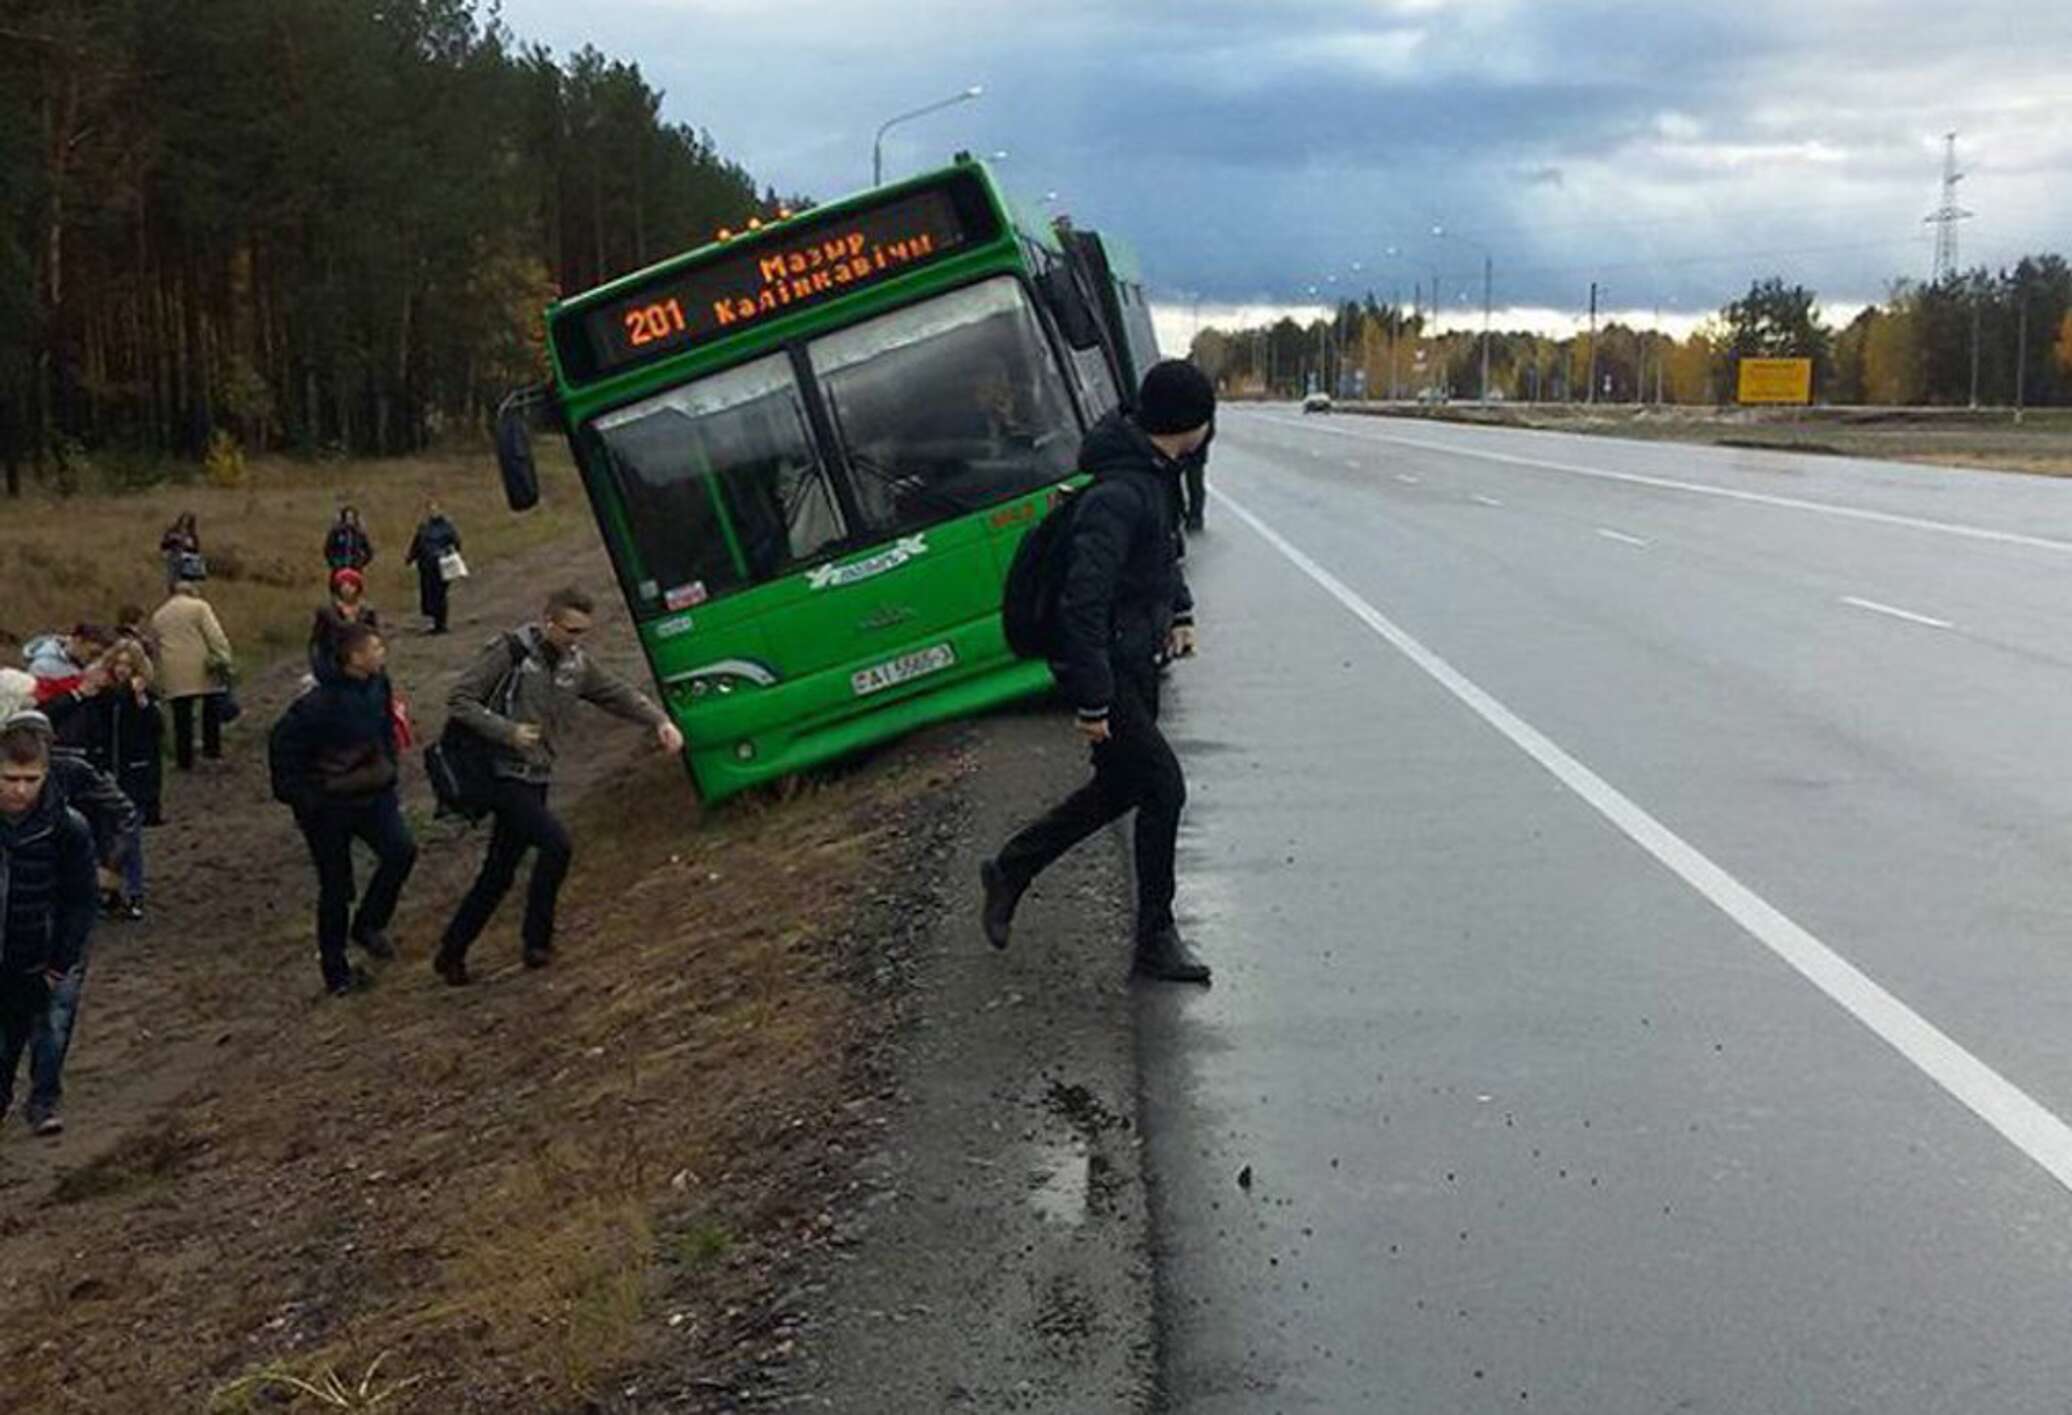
<point>1776,381</point>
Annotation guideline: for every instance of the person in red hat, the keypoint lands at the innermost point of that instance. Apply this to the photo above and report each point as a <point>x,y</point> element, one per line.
<point>348,606</point>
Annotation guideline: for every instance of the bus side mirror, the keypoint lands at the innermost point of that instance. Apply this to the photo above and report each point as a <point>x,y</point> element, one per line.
<point>514,454</point>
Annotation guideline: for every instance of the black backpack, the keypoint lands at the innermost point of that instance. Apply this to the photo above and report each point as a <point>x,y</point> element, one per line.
<point>1035,579</point>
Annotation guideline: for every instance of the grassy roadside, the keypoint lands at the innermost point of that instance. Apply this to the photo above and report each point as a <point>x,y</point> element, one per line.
<point>526,1195</point>
<point>1988,439</point>
<point>529,1195</point>
<point>64,559</point>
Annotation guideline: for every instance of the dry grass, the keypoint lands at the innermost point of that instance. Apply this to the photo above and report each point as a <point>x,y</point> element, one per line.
<point>493,1193</point>
<point>1988,439</point>
<point>83,557</point>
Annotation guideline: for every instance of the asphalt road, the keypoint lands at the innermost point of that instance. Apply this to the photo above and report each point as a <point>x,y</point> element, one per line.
<point>1640,884</point>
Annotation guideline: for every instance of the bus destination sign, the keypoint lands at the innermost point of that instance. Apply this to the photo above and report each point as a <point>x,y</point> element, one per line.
<point>809,263</point>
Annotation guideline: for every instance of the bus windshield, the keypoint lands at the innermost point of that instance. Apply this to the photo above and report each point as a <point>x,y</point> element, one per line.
<point>721,484</point>
<point>946,406</point>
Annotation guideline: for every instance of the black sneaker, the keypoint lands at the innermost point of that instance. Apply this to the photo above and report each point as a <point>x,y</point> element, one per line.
<point>133,910</point>
<point>538,957</point>
<point>47,1123</point>
<point>375,943</point>
<point>357,980</point>
<point>452,967</point>
<point>1165,957</point>
<point>997,914</point>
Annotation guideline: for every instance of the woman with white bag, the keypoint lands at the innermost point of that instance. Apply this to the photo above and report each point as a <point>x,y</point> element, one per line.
<point>435,550</point>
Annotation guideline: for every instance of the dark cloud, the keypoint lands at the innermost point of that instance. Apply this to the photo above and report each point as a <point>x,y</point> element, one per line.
<point>1250,150</point>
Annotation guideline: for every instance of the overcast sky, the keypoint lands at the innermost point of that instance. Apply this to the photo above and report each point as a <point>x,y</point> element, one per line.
<point>1670,151</point>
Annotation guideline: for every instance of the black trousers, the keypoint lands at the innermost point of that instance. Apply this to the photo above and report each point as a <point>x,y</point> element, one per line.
<point>24,997</point>
<point>523,823</point>
<point>211,729</point>
<point>1195,481</point>
<point>330,832</point>
<point>431,593</point>
<point>1135,769</point>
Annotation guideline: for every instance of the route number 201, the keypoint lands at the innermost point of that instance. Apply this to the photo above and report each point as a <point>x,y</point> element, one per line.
<point>651,322</point>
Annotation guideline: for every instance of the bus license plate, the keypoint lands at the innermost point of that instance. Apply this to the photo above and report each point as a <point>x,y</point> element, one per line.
<point>880,676</point>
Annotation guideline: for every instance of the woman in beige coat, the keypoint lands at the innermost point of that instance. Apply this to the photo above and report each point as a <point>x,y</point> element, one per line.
<point>194,662</point>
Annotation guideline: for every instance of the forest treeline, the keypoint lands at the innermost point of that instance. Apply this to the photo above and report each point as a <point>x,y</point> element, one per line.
<point>1988,337</point>
<point>330,224</point>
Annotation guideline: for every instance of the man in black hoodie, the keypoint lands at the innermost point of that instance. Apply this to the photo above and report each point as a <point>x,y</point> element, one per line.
<point>1123,602</point>
<point>47,896</point>
<point>334,761</point>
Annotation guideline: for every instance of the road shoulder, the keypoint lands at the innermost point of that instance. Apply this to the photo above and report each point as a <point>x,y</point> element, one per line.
<point>998,1255</point>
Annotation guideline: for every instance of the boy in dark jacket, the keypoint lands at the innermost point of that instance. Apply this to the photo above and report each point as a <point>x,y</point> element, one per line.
<point>334,762</point>
<point>112,822</point>
<point>348,546</point>
<point>1123,602</point>
<point>46,892</point>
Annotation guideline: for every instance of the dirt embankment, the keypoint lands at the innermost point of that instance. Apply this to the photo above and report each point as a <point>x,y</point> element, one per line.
<point>591,1187</point>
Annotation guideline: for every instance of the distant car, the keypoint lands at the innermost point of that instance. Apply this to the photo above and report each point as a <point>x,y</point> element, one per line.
<point>1317,403</point>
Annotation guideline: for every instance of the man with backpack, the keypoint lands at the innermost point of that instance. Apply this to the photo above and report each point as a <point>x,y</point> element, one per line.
<point>333,757</point>
<point>1119,602</point>
<point>521,694</point>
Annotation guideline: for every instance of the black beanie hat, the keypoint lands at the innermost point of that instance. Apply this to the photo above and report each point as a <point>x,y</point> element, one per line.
<point>1176,397</point>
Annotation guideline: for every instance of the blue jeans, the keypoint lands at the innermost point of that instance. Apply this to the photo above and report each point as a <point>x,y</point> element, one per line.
<point>23,998</point>
<point>133,863</point>
<point>51,1038</point>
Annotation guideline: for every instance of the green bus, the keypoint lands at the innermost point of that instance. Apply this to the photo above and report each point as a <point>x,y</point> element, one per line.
<point>812,447</point>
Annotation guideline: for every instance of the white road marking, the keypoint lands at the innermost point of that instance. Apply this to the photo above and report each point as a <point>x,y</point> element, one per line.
<point>1488,500</point>
<point>1407,479</point>
<point>1789,503</point>
<point>1622,537</point>
<point>2024,1123</point>
<point>1907,614</point>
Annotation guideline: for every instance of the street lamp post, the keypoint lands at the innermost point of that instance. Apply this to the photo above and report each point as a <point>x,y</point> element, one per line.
<point>1487,275</point>
<point>878,143</point>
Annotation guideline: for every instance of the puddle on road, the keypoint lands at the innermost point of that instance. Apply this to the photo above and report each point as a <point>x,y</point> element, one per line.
<point>1061,1183</point>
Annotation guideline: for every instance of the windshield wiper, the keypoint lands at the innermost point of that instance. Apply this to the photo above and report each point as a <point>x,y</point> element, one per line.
<point>911,486</point>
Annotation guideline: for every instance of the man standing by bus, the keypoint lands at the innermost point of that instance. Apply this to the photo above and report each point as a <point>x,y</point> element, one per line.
<point>1122,601</point>
<point>535,678</point>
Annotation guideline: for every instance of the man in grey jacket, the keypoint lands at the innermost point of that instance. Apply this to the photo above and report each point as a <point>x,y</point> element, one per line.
<point>522,693</point>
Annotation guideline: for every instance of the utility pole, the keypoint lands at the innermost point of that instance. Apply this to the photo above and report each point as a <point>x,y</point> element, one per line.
<point>2021,354</point>
<point>1974,348</point>
<point>1395,329</point>
<point>1591,395</point>
<point>1485,325</point>
<point>1945,217</point>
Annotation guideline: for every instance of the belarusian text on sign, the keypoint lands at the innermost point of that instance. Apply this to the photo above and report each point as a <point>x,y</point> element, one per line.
<point>760,277</point>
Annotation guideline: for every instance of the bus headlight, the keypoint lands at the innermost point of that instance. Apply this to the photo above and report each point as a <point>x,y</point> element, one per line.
<point>721,679</point>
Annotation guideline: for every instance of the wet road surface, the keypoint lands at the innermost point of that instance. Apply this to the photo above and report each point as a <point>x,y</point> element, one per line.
<point>1639,884</point>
